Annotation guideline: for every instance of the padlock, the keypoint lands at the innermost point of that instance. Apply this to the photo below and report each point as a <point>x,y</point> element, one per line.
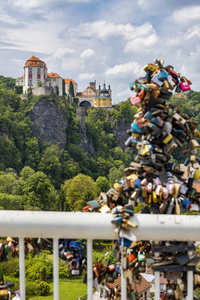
<point>171,206</point>
<point>196,174</point>
<point>93,204</point>
<point>194,144</point>
<point>167,139</point>
<point>185,86</point>
<point>150,67</point>
<point>177,187</point>
<point>177,117</point>
<point>162,75</point>
<point>177,208</point>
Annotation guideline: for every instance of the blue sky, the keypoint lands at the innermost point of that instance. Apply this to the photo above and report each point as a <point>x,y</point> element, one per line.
<point>101,40</point>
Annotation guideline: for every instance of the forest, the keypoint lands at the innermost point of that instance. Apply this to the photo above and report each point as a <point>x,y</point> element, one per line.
<point>35,175</point>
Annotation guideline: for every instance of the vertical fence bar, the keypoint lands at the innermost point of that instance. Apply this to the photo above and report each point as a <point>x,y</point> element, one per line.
<point>22,269</point>
<point>55,270</point>
<point>157,285</point>
<point>89,270</point>
<point>123,286</point>
<point>123,279</point>
<point>189,285</point>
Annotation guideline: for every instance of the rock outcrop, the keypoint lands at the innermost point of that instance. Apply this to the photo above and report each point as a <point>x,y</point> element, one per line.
<point>49,123</point>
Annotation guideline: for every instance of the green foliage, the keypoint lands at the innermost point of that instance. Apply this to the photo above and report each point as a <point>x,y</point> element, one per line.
<point>43,288</point>
<point>78,191</point>
<point>7,82</point>
<point>114,175</point>
<point>38,192</point>
<point>35,265</point>
<point>40,83</point>
<point>19,89</point>
<point>63,269</point>
<point>102,184</point>
<point>71,89</point>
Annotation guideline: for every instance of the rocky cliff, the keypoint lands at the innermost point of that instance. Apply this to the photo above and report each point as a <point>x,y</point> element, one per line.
<point>49,123</point>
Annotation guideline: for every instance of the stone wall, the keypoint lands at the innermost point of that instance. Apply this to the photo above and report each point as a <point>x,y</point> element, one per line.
<point>42,91</point>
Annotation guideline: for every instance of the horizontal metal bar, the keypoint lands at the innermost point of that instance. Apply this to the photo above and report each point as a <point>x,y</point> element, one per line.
<point>97,226</point>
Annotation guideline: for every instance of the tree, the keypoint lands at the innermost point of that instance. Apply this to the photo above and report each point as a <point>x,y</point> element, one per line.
<point>38,192</point>
<point>78,191</point>
<point>40,83</point>
<point>102,184</point>
<point>71,89</point>
<point>114,174</point>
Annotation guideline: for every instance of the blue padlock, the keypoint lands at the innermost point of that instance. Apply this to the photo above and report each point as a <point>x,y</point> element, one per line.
<point>125,242</point>
<point>135,128</point>
<point>162,75</point>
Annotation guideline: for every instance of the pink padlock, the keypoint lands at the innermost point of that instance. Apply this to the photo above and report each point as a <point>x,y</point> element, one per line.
<point>165,193</point>
<point>149,187</point>
<point>135,100</point>
<point>185,86</point>
<point>170,187</point>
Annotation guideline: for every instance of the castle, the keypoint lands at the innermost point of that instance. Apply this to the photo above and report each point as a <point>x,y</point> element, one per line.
<point>37,80</point>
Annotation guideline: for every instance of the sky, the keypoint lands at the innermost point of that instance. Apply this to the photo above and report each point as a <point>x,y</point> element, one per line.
<point>104,40</point>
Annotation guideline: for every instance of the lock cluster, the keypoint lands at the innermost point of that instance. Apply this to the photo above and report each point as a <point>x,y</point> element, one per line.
<point>157,130</point>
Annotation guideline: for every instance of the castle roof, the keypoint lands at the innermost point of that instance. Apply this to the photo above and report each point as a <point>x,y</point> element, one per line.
<point>34,62</point>
<point>67,81</point>
<point>53,75</point>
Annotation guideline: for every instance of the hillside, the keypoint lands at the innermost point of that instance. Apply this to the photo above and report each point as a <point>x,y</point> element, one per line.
<point>41,137</point>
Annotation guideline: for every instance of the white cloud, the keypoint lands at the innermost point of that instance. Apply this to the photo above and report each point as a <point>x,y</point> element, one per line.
<point>104,29</point>
<point>60,52</point>
<point>84,76</point>
<point>142,44</point>
<point>130,67</point>
<point>18,61</point>
<point>192,32</point>
<point>186,15</point>
<point>5,18</point>
<point>87,53</point>
<point>38,4</point>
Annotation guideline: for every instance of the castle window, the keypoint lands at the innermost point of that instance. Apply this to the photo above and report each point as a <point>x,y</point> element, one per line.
<point>38,64</point>
<point>31,63</point>
<point>30,82</point>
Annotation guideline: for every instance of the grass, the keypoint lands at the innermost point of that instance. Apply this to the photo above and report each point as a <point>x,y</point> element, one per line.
<point>69,289</point>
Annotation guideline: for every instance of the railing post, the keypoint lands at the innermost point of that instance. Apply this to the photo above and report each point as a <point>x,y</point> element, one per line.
<point>157,285</point>
<point>22,269</point>
<point>123,279</point>
<point>55,270</point>
<point>189,285</point>
<point>89,270</point>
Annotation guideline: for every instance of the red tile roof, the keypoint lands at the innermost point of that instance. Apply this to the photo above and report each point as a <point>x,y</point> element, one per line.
<point>144,285</point>
<point>67,81</point>
<point>34,62</point>
<point>53,75</point>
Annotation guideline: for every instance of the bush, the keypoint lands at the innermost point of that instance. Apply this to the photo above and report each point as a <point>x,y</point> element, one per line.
<point>63,269</point>
<point>43,289</point>
<point>31,288</point>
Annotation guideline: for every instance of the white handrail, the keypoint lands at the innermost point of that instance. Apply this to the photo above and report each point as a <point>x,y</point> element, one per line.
<point>97,226</point>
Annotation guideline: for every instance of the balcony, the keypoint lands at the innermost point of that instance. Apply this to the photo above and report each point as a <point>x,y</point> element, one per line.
<point>91,226</point>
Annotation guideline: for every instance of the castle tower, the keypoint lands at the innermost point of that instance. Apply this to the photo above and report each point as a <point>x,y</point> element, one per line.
<point>35,70</point>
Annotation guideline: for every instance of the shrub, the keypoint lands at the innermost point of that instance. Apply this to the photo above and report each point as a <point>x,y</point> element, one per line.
<point>43,289</point>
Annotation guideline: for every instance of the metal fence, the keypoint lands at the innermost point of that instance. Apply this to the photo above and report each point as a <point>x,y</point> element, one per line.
<point>92,226</point>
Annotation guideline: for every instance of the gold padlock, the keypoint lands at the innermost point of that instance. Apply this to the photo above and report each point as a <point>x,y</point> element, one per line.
<point>150,67</point>
<point>167,139</point>
<point>196,174</point>
<point>194,144</point>
<point>177,187</point>
<point>154,197</point>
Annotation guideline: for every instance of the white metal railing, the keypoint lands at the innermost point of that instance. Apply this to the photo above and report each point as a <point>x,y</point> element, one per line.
<point>91,226</point>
